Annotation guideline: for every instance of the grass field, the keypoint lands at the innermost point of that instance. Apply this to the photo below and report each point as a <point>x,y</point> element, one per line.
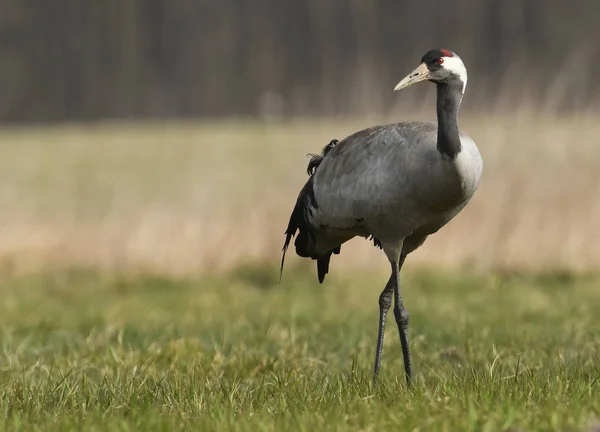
<point>92,350</point>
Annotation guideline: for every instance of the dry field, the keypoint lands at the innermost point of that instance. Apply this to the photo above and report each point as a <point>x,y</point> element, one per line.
<point>188,197</point>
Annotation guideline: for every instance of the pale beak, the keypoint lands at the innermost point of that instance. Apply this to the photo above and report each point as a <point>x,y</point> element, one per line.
<point>421,73</point>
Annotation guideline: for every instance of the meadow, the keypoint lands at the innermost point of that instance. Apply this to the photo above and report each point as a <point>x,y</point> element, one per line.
<point>139,283</point>
<point>83,350</point>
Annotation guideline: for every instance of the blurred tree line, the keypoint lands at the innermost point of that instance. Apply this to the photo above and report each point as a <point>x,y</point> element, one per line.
<point>89,59</point>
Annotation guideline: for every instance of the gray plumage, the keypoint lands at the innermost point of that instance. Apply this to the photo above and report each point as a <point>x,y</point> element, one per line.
<point>395,183</point>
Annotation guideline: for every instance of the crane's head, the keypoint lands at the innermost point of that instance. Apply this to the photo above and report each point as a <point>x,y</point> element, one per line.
<point>440,66</point>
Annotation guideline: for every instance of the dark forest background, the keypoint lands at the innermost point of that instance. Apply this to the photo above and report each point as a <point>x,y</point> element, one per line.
<point>93,59</point>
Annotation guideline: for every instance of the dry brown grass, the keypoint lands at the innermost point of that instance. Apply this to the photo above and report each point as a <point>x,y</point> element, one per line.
<point>195,196</point>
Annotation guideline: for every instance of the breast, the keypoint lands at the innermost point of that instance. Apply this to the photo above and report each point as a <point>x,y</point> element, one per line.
<point>469,166</point>
<point>441,187</point>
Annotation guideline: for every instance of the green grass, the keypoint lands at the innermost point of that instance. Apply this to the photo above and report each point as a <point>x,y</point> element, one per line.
<point>98,351</point>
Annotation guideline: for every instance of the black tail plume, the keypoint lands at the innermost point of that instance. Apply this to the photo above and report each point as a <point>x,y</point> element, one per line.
<point>323,266</point>
<point>289,233</point>
<point>323,262</point>
<point>299,219</point>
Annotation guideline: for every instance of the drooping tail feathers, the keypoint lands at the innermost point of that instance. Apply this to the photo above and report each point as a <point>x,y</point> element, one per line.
<point>323,263</point>
<point>300,220</point>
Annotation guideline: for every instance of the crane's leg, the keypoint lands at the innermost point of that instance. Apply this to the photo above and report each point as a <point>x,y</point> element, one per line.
<point>385,302</point>
<point>402,318</point>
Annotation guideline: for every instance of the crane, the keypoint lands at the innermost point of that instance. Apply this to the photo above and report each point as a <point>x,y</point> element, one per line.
<point>395,184</point>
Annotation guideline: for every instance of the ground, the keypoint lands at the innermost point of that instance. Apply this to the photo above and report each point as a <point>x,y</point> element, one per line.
<point>238,351</point>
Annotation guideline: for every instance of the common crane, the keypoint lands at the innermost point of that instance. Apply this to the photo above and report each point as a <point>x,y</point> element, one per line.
<point>395,183</point>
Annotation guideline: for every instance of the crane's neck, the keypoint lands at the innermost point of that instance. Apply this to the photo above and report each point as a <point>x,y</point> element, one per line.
<point>449,96</point>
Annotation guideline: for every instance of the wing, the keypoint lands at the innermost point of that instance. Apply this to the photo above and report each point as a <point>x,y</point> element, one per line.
<point>365,178</point>
<point>353,184</point>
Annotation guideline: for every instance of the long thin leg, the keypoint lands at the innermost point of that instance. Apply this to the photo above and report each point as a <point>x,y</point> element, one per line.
<point>402,319</point>
<point>385,302</point>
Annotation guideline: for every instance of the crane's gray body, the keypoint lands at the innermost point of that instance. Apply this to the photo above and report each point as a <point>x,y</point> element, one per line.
<point>390,182</point>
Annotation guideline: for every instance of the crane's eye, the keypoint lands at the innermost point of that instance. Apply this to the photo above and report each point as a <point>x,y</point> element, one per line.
<point>440,61</point>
